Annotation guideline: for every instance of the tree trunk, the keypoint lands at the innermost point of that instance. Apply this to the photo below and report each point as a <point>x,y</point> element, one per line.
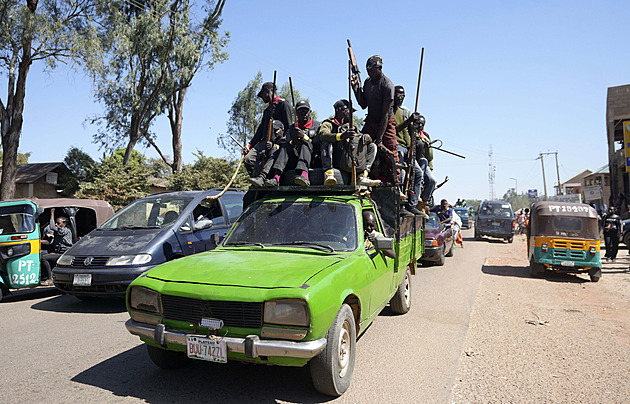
<point>134,136</point>
<point>175,117</point>
<point>11,122</point>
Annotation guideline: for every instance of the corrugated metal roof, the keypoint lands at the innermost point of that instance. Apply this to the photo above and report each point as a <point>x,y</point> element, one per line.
<point>31,172</point>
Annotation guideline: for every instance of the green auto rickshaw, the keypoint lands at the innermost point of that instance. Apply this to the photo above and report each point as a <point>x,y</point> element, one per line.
<point>19,246</point>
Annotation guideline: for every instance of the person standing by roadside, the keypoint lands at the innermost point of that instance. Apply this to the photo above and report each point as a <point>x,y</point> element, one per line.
<point>612,227</point>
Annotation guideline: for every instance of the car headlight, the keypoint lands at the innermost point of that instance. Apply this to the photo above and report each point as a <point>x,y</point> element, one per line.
<point>145,299</point>
<point>65,260</point>
<point>287,312</point>
<point>129,260</point>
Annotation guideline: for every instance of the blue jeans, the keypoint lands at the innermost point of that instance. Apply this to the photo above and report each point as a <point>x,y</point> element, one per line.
<point>429,179</point>
<point>417,175</point>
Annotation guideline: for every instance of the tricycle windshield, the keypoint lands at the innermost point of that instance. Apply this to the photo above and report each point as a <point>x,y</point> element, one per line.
<point>567,226</point>
<point>17,219</point>
<point>328,225</point>
<point>149,213</point>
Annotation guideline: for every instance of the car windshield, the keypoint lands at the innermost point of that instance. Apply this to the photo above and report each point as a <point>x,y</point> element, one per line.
<point>326,226</point>
<point>149,213</point>
<point>17,219</point>
<point>461,211</point>
<point>433,223</point>
<point>496,210</point>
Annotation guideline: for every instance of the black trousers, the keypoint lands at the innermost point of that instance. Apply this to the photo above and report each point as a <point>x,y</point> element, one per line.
<point>294,157</point>
<point>612,244</point>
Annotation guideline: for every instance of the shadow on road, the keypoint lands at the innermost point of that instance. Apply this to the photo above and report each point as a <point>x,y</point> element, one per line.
<point>70,304</point>
<point>132,374</point>
<point>30,294</point>
<point>523,272</point>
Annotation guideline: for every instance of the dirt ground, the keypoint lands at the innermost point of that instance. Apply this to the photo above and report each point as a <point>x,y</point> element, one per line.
<point>560,339</point>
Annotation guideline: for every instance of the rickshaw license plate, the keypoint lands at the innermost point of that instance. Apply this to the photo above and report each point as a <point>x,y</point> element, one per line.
<point>82,280</point>
<point>567,263</point>
<point>207,349</point>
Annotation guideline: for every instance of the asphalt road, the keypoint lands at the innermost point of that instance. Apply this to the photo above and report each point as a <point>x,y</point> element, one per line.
<point>58,349</point>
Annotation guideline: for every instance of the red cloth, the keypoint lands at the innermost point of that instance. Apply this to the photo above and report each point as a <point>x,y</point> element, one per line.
<point>307,125</point>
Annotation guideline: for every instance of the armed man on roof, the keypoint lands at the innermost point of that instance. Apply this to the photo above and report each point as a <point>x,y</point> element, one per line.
<point>377,95</point>
<point>278,109</point>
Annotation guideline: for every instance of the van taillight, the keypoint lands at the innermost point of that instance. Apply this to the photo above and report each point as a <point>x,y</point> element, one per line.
<point>544,247</point>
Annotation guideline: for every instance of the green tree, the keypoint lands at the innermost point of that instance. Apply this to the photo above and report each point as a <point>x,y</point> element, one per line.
<point>285,92</point>
<point>118,183</point>
<point>244,116</point>
<point>518,201</point>
<point>153,50</point>
<point>206,173</point>
<point>22,158</point>
<point>52,32</point>
<point>82,167</point>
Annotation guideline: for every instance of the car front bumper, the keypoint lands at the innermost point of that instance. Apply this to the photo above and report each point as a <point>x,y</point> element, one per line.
<point>252,346</point>
<point>432,253</point>
<point>106,281</point>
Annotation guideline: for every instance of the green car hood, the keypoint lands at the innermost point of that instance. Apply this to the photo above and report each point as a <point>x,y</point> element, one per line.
<point>257,269</point>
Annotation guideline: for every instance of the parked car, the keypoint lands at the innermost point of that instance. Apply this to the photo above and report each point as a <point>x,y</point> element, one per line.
<point>23,235</point>
<point>625,228</point>
<point>439,240</point>
<point>495,219</point>
<point>464,214</point>
<point>150,231</point>
<point>294,282</point>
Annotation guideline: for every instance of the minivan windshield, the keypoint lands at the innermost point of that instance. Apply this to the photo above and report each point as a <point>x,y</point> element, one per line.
<point>325,226</point>
<point>149,213</point>
<point>497,210</point>
<point>17,219</point>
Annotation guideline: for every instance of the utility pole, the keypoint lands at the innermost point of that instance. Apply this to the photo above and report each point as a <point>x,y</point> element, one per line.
<point>515,185</point>
<point>543,173</point>
<point>557,170</point>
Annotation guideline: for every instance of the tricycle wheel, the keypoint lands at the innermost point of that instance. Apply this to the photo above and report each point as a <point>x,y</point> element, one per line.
<point>594,278</point>
<point>536,270</point>
<point>168,360</point>
<point>401,302</point>
<point>331,370</point>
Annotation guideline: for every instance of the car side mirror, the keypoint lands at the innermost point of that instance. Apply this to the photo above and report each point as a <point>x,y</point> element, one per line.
<point>386,245</point>
<point>202,224</point>
<point>215,238</point>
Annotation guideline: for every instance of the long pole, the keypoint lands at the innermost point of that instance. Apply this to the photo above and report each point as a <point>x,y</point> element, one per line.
<point>558,172</point>
<point>515,185</point>
<point>543,173</point>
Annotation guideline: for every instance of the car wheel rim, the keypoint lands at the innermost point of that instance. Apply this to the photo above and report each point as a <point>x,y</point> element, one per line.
<point>343,359</point>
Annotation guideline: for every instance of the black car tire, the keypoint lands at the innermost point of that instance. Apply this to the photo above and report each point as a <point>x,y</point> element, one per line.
<point>594,278</point>
<point>510,239</point>
<point>2,292</point>
<point>441,260</point>
<point>536,270</point>
<point>167,360</point>
<point>331,370</point>
<point>450,252</point>
<point>477,235</point>
<point>401,302</point>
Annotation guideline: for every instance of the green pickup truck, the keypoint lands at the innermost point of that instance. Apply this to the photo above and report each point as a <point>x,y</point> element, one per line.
<point>291,284</point>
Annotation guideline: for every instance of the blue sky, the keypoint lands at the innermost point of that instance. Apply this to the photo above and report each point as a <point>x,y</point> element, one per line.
<point>523,76</point>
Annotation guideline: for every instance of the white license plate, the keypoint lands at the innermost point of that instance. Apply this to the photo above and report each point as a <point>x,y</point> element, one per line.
<point>496,223</point>
<point>567,263</point>
<point>207,349</point>
<point>82,280</point>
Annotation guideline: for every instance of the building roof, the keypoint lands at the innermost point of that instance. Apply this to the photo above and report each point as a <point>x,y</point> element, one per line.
<point>601,170</point>
<point>31,172</point>
<point>577,179</point>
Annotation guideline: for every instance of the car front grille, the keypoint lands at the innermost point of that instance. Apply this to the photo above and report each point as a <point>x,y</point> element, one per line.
<point>233,314</point>
<point>80,261</point>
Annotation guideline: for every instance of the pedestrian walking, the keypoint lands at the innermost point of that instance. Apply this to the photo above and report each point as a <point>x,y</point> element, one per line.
<point>612,228</point>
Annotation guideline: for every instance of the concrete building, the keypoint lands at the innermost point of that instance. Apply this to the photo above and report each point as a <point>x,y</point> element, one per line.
<point>617,111</point>
<point>596,187</point>
<point>39,180</point>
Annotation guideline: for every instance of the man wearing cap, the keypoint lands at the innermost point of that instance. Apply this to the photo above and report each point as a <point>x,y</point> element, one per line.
<point>404,119</point>
<point>337,137</point>
<point>278,109</point>
<point>377,95</point>
<point>295,153</point>
<point>267,155</point>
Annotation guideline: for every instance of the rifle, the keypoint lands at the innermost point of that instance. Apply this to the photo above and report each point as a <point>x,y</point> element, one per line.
<point>292,97</point>
<point>444,150</point>
<point>413,130</point>
<point>270,127</point>
<point>354,68</point>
